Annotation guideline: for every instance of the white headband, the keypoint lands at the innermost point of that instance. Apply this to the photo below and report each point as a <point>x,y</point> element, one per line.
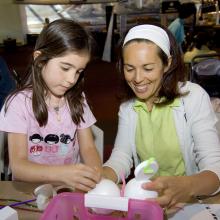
<point>152,33</point>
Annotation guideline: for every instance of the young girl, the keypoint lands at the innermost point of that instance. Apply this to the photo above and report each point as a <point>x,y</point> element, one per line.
<point>47,118</point>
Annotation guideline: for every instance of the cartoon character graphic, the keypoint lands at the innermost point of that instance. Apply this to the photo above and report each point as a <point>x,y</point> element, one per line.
<point>51,140</point>
<point>35,138</point>
<point>36,149</point>
<point>65,139</point>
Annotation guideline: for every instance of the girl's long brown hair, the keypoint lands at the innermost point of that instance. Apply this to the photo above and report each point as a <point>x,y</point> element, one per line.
<point>55,40</point>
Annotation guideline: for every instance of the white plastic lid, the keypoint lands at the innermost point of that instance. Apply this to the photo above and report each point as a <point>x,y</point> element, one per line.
<point>146,169</point>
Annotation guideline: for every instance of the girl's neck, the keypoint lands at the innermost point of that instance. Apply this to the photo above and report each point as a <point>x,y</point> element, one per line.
<point>55,102</point>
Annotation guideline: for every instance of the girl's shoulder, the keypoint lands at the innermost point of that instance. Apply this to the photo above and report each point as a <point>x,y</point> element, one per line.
<point>20,98</point>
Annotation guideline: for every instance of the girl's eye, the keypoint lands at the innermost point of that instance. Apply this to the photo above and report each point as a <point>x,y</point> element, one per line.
<point>65,68</point>
<point>80,72</point>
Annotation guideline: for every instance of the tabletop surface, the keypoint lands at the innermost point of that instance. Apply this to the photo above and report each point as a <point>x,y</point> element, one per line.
<point>14,190</point>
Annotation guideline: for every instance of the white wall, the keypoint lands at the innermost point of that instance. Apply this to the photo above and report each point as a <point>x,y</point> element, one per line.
<point>11,25</point>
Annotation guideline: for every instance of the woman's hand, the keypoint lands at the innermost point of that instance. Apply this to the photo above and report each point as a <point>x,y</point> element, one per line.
<point>180,189</point>
<point>171,190</point>
<point>81,177</point>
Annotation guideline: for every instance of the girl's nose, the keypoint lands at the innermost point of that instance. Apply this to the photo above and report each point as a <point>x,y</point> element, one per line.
<point>71,77</point>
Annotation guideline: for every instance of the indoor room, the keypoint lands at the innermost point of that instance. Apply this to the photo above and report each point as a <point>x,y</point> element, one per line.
<point>101,113</point>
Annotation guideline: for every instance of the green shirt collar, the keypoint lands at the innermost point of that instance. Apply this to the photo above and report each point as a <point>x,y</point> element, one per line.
<point>141,104</point>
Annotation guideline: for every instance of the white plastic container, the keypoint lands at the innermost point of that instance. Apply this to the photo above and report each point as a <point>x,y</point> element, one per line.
<point>143,172</point>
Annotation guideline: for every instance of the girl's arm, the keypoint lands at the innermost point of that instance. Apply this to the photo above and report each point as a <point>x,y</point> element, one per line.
<point>88,151</point>
<point>78,176</point>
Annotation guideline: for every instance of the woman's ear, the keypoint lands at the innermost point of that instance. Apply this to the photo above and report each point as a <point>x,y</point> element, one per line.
<point>36,54</point>
<point>168,65</point>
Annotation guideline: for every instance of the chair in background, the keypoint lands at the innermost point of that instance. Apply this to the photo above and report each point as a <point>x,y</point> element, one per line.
<point>205,70</point>
<point>4,165</point>
<point>1,154</point>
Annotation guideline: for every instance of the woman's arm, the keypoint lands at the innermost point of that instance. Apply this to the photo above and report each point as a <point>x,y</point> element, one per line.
<point>120,161</point>
<point>109,173</point>
<point>79,176</point>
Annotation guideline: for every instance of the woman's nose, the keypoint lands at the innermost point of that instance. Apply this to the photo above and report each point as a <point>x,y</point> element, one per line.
<point>138,77</point>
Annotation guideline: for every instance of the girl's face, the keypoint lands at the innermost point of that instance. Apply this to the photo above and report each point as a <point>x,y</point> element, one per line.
<point>143,70</point>
<point>61,73</point>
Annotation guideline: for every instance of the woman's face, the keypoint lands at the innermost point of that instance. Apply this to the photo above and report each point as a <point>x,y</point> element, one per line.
<point>143,69</point>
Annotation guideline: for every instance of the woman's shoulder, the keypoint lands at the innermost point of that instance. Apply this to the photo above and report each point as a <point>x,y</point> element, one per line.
<point>194,93</point>
<point>126,108</point>
<point>192,88</point>
<point>127,104</point>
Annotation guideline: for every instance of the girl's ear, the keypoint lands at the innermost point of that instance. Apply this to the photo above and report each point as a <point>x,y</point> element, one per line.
<point>168,65</point>
<point>36,54</point>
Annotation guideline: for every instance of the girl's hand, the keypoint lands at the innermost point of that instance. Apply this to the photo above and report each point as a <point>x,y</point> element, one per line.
<point>81,177</point>
<point>171,190</point>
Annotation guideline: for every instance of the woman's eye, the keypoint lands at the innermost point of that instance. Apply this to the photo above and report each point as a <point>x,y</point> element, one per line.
<point>128,69</point>
<point>147,69</point>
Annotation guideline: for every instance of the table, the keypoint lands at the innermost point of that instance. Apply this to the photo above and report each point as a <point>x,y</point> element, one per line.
<point>24,191</point>
<point>20,191</point>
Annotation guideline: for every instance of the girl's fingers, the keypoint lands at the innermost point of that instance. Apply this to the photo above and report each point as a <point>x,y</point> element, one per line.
<point>89,173</point>
<point>82,187</point>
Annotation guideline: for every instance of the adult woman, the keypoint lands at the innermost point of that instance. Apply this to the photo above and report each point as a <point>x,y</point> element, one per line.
<point>165,117</point>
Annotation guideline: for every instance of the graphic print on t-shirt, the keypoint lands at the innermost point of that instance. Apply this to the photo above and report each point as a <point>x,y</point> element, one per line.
<point>51,143</point>
<point>36,149</point>
<point>65,140</point>
<point>51,140</point>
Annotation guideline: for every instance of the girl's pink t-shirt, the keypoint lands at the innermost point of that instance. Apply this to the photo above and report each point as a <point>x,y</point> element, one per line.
<point>56,143</point>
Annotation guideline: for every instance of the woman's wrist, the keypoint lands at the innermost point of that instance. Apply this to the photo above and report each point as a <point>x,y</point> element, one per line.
<point>204,183</point>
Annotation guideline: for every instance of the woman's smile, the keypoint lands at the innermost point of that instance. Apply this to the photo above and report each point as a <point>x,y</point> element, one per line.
<point>141,88</point>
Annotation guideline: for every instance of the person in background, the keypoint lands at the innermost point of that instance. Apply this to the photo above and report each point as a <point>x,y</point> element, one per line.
<point>166,117</point>
<point>187,11</point>
<point>7,83</point>
<point>47,118</point>
<point>200,47</point>
<point>46,22</point>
